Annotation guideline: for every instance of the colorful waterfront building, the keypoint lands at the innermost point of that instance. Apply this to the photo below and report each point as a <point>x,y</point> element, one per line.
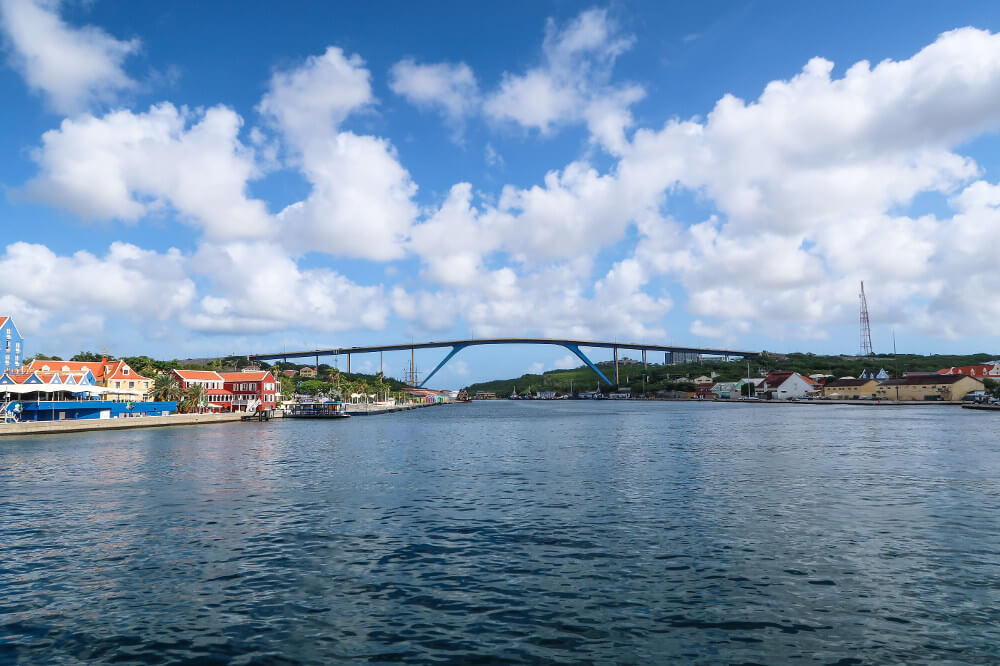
<point>12,344</point>
<point>117,375</point>
<point>251,387</point>
<point>213,387</point>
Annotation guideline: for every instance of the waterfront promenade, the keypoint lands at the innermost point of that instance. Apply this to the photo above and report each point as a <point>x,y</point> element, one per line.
<point>87,425</point>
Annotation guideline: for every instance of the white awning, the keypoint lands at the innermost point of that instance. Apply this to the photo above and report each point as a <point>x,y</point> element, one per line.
<point>21,389</point>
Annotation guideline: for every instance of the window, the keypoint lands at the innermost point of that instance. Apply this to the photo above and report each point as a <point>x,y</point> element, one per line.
<point>17,347</point>
<point>125,370</point>
<point>118,384</point>
<point>131,384</point>
<point>8,343</point>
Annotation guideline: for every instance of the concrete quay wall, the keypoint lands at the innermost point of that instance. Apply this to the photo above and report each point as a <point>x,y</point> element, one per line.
<point>87,425</point>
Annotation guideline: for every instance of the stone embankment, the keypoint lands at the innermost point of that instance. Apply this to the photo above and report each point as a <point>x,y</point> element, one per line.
<point>372,409</point>
<point>85,425</point>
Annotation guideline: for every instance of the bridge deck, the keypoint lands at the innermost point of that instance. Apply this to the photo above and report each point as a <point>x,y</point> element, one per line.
<point>499,341</point>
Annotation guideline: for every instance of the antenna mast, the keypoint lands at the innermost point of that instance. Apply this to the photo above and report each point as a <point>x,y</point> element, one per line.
<point>866,329</point>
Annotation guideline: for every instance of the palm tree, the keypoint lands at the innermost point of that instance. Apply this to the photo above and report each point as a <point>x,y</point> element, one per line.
<point>166,388</point>
<point>192,398</point>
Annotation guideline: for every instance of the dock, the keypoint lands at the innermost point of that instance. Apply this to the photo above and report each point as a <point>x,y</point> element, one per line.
<point>983,408</point>
<point>88,425</point>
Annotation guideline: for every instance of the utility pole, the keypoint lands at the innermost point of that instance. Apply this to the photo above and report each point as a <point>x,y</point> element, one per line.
<point>616,367</point>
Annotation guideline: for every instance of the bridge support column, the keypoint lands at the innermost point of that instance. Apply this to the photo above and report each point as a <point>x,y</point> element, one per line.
<point>643,362</point>
<point>616,367</point>
<point>317,362</point>
<point>380,363</point>
<point>348,364</point>
<point>454,350</point>
<point>590,364</point>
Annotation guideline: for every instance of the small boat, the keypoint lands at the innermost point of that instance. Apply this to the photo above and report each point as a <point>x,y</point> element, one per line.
<point>317,410</point>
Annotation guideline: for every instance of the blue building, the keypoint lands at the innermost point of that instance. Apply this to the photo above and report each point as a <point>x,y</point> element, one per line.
<point>12,345</point>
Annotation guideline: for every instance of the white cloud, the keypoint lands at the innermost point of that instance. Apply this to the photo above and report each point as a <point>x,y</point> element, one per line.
<point>567,362</point>
<point>258,289</point>
<point>809,179</point>
<point>128,165</point>
<point>137,284</point>
<point>311,101</point>
<point>446,87</point>
<point>361,204</point>
<point>73,67</point>
<point>572,83</point>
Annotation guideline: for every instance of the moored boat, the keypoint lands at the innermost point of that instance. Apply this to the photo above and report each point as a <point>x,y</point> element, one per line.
<point>317,410</point>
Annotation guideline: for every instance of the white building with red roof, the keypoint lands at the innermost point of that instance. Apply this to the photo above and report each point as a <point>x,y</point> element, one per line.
<point>251,388</point>
<point>213,387</point>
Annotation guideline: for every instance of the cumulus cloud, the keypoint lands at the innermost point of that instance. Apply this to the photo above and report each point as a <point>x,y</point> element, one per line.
<point>127,281</point>
<point>257,288</point>
<point>809,181</point>
<point>361,204</point>
<point>572,84</point>
<point>312,100</point>
<point>128,165</point>
<point>449,88</point>
<point>72,67</point>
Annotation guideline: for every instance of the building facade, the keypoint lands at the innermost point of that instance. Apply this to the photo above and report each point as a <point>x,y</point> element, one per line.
<point>126,383</point>
<point>929,387</point>
<point>788,385</point>
<point>850,389</point>
<point>13,345</point>
<point>213,387</point>
<point>251,388</point>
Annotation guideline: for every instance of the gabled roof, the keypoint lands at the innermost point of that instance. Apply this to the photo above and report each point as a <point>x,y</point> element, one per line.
<point>926,380</point>
<point>95,367</point>
<point>247,376</point>
<point>117,371</point>
<point>199,375</point>
<point>4,319</point>
<point>847,382</point>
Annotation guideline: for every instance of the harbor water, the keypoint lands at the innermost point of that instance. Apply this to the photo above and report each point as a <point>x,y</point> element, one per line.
<point>510,532</point>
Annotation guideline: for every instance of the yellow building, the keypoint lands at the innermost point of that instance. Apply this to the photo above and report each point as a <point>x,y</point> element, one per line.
<point>850,389</point>
<point>928,387</point>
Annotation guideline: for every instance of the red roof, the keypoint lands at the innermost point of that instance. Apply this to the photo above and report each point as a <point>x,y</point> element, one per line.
<point>20,377</point>
<point>95,367</point>
<point>984,370</point>
<point>199,375</point>
<point>247,376</point>
<point>3,320</point>
<point>117,371</point>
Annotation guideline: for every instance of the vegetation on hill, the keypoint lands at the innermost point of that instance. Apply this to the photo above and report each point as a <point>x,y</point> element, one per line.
<point>679,377</point>
<point>329,382</point>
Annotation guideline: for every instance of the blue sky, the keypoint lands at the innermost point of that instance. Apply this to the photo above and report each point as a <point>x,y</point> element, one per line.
<point>192,179</point>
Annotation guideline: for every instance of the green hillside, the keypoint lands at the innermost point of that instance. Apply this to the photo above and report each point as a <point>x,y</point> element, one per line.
<point>670,377</point>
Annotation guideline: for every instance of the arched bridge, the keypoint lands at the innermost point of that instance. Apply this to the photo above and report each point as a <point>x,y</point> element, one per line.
<point>458,345</point>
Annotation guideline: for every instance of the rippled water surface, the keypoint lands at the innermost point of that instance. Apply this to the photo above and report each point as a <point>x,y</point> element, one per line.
<point>511,532</point>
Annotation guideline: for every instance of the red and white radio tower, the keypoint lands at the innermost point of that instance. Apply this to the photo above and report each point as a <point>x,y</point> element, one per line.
<point>866,329</point>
